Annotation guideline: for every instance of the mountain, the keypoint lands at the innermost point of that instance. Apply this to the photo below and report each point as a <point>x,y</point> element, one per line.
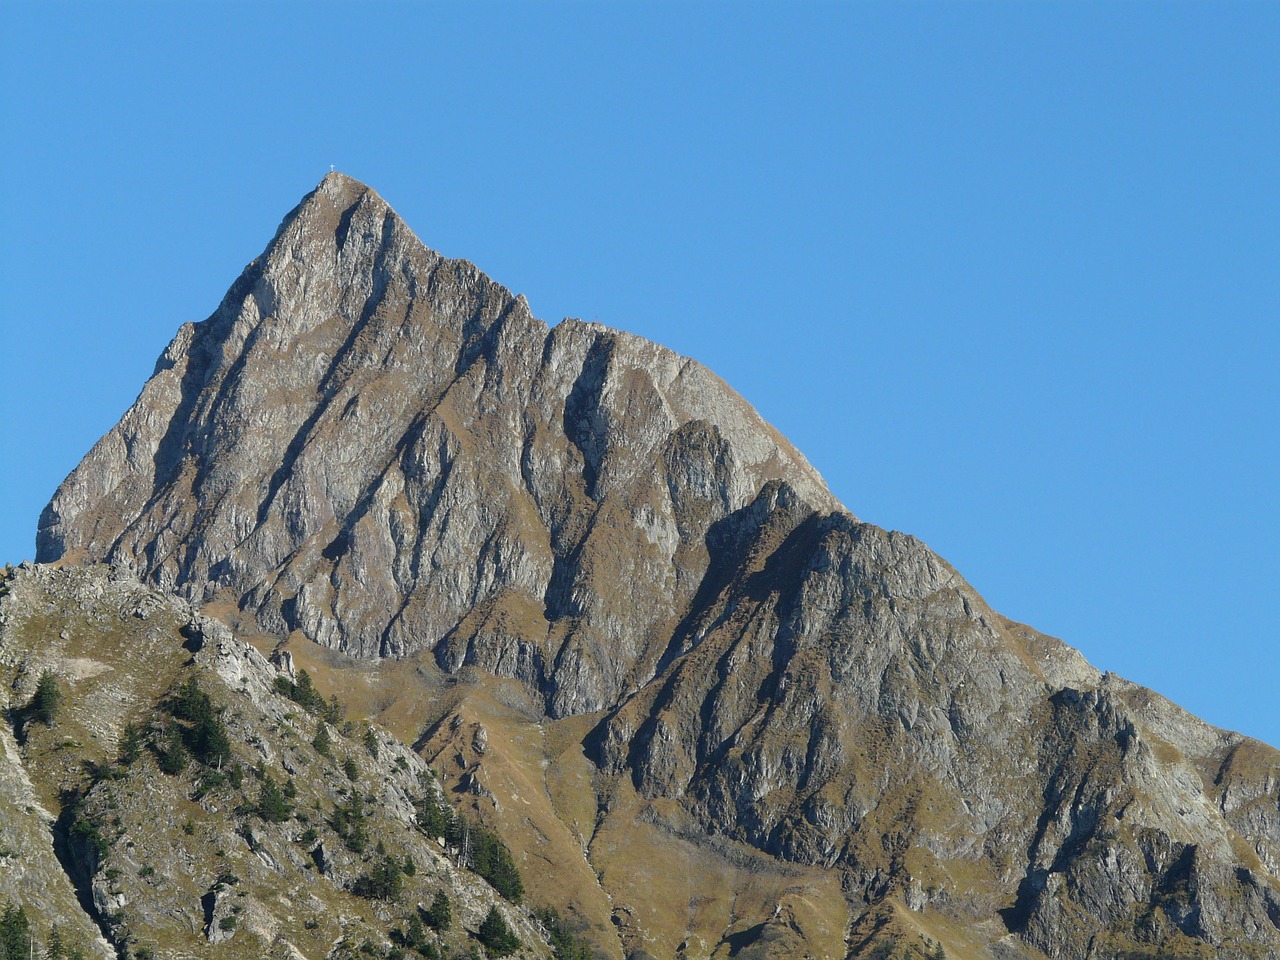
<point>631,629</point>
<point>181,797</point>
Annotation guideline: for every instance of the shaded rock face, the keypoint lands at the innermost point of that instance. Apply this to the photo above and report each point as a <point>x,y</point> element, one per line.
<point>384,450</point>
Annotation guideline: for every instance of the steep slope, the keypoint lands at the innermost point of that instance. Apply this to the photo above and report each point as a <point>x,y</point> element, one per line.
<point>141,837</point>
<point>383,449</point>
<point>692,651</point>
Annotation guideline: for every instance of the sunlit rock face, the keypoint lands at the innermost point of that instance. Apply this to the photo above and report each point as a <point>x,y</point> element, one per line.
<point>384,450</point>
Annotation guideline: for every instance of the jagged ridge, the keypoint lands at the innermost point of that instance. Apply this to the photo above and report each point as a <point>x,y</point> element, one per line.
<point>373,444</point>
<point>384,450</point>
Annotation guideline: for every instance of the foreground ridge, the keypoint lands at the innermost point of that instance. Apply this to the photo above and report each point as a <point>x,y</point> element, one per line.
<point>179,802</point>
<point>626,619</point>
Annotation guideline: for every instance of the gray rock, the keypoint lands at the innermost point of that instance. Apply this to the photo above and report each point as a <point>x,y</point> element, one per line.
<point>383,449</point>
<point>432,462</point>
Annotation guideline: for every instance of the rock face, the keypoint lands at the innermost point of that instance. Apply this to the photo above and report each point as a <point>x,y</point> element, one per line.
<point>384,450</point>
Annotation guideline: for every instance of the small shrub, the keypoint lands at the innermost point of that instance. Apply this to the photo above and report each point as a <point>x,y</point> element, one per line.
<point>85,831</point>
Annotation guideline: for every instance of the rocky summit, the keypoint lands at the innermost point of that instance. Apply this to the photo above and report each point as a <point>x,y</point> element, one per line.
<point>630,629</point>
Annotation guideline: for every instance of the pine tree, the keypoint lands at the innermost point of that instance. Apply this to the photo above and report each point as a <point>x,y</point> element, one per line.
<point>190,702</point>
<point>415,934</point>
<point>47,699</point>
<point>174,756</point>
<point>348,823</point>
<point>209,740</point>
<point>16,942</point>
<point>440,913</point>
<point>272,805</point>
<point>55,949</point>
<point>305,694</point>
<point>322,741</point>
<point>499,939</point>
<point>383,882</point>
<point>332,711</point>
<point>130,744</point>
<point>490,858</point>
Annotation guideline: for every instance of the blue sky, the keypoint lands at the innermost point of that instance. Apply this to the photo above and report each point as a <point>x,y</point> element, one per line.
<point>1007,274</point>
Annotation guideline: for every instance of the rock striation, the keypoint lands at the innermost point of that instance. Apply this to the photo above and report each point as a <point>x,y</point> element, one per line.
<point>382,450</point>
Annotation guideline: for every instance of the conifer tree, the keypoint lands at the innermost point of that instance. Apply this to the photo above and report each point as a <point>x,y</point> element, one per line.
<point>16,942</point>
<point>498,939</point>
<point>130,744</point>
<point>173,758</point>
<point>322,741</point>
<point>272,805</point>
<point>47,699</point>
<point>440,913</point>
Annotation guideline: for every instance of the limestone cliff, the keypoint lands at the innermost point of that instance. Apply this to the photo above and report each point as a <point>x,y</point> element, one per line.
<point>383,451</point>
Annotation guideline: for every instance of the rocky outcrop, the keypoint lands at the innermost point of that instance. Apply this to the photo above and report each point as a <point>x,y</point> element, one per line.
<point>383,450</point>
<point>170,859</point>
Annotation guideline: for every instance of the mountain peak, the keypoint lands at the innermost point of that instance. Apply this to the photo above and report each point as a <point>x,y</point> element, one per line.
<point>327,211</point>
<point>381,450</point>
<point>353,386</point>
<point>341,189</point>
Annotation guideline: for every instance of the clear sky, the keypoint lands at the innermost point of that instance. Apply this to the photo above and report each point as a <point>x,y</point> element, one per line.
<point>1007,274</point>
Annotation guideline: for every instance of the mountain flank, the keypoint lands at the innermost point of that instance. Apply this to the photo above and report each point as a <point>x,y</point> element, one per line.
<point>185,798</point>
<point>631,629</point>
